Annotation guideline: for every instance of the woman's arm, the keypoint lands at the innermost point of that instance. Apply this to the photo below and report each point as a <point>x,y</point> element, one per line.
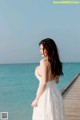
<point>44,72</point>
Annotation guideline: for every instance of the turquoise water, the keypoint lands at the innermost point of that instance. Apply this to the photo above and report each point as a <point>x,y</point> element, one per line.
<point>18,86</point>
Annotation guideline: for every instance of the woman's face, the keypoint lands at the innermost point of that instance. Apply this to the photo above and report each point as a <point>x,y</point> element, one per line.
<point>43,52</point>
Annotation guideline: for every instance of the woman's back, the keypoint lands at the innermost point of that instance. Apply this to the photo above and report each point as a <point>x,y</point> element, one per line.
<point>49,74</point>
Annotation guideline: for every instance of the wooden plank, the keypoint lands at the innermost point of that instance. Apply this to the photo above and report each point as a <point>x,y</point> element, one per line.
<point>71,99</point>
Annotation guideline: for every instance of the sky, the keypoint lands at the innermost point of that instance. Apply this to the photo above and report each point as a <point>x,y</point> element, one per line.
<point>24,23</point>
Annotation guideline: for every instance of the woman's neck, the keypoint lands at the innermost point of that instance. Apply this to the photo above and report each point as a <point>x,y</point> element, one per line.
<point>45,58</point>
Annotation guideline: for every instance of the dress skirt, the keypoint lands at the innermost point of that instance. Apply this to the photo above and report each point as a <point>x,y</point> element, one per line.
<point>50,104</point>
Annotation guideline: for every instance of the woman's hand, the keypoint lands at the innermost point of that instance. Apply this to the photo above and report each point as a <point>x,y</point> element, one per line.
<point>34,103</point>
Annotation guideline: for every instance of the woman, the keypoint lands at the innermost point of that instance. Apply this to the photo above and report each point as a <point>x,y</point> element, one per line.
<point>48,104</point>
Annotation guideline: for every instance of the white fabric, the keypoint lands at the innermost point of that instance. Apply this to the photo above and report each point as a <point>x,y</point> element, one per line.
<point>50,104</point>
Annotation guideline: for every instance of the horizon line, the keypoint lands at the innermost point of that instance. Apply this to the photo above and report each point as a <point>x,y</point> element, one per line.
<point>38,62</point>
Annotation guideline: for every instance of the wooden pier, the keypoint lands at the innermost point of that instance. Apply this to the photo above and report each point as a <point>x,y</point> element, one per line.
<point>71,98</point>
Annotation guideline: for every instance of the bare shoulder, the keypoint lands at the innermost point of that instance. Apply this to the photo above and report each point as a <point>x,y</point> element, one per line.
<point>43,62</point>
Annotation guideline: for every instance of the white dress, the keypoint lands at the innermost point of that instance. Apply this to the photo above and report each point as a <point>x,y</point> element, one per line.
<point>50,104</point>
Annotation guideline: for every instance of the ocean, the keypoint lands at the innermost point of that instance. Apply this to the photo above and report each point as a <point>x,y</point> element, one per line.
<point>18,86</point>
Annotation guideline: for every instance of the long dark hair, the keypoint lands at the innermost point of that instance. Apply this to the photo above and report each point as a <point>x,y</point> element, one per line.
<point>53,56</point>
